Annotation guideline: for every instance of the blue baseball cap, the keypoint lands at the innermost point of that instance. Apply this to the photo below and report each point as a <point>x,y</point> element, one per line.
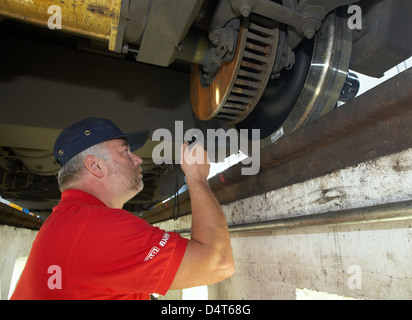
<point>89,132</point>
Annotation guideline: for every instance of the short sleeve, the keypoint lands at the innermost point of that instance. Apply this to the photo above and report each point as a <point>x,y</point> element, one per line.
<point>121,253</point>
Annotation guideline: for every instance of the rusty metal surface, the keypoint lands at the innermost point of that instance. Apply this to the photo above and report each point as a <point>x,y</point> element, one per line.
<point>92,18</point>
<point>238,85</point>
<point>375,124</point>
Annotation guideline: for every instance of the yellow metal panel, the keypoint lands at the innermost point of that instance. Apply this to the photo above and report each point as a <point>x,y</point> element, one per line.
<point>91,18</point>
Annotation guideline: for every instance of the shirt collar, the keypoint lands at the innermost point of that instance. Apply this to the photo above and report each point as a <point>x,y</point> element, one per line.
<point>80,196</point>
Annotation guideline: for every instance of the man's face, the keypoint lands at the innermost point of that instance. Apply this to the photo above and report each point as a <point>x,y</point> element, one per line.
<point>124,169</point>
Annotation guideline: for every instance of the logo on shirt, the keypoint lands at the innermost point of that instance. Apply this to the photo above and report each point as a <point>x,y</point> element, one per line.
<point>155,250</point>
<point>152,253</point>
<point>166,237</point>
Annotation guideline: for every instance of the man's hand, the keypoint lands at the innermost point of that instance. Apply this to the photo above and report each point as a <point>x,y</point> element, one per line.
<point>194,161</point>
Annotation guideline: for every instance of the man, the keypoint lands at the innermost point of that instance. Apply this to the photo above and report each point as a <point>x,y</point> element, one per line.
<point>89,248</point>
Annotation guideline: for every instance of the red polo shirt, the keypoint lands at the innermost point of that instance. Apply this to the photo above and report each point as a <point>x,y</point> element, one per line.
<point>86,250</point>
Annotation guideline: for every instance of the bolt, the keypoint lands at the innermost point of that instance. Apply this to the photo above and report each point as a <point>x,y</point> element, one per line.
<point>309,32</point>
<point>309,27</point>
<point>245,7</point>
<point>125,48</point>
<point>215,37</point>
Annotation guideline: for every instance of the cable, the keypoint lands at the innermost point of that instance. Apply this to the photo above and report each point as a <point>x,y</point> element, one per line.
<point>175,217</point>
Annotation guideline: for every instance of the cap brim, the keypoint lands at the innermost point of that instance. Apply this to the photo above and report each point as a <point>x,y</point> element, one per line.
<point>137,139</point>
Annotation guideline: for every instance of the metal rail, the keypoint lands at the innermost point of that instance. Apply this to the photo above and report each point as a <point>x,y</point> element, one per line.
<point>373,125</point>
<point>17,218</point>
<point>382,213</point>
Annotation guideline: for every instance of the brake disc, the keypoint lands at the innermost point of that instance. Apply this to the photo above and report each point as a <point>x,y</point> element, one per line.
<point>239,84</point>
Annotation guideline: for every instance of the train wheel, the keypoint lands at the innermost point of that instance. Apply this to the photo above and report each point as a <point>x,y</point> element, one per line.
<point>310,89</point>
<point>244,96</point>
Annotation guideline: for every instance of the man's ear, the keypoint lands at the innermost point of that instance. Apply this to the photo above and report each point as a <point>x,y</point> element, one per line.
<point>94,166</point>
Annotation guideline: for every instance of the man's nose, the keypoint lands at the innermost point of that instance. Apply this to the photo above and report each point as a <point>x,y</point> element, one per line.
<point>136,159</point>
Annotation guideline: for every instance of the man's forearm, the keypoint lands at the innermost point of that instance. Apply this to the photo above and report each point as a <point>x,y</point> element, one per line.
<point>209,226</point>
<point>208,257</point>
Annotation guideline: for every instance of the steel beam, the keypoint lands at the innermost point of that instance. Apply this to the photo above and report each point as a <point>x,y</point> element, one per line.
<point>13,217</point>
<point>375,124</point>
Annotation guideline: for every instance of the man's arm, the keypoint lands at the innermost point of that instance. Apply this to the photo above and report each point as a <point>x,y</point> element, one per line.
<point>208,258</point>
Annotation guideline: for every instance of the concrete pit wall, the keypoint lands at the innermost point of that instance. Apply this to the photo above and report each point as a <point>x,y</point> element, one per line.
<point>362,261</point>
<point>14,243</point>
